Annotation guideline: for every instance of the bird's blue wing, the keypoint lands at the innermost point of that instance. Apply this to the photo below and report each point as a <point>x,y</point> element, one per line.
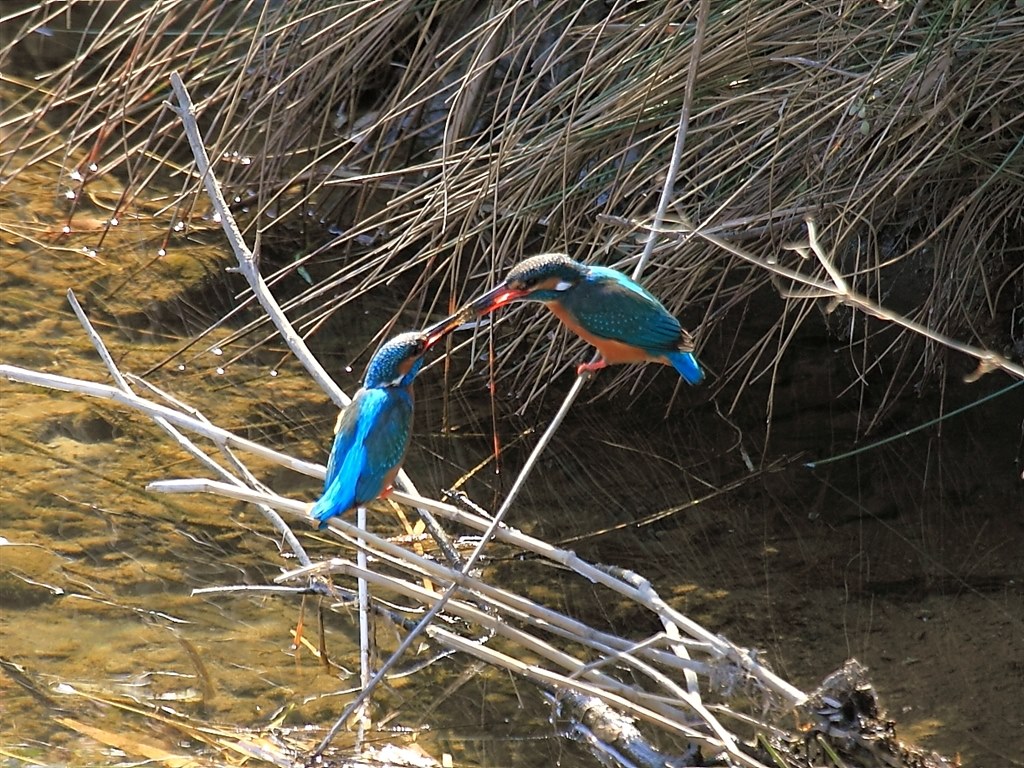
<point>348,433</point>
<point>611,305</point>
<point>344,463</point>
<point>373,430</point>
<point>385,445</point>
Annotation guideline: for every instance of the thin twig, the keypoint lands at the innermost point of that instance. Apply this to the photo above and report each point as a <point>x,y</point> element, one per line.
<point>363,604</point>
<point>988,360</point>
<point>272,517</point>
<point>155,410</point>
<point>912,430</point>
<point>248,266</point>
<point>677,149</point>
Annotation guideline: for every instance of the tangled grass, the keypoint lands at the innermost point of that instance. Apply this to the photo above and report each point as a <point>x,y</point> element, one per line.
<point>427,146</point>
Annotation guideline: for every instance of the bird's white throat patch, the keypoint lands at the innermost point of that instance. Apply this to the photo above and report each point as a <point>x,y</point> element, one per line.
<point>561,285</point>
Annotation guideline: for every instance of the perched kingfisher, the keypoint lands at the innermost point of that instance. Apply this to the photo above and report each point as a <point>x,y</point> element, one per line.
<point>373,430</point>
<point>604,308</point>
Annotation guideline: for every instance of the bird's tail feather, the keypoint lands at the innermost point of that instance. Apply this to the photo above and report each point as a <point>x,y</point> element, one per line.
<point>328,506</point>
<point>687,365</point>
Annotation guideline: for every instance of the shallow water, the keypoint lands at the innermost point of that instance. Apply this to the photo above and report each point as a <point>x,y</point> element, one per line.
<point>909,557</point>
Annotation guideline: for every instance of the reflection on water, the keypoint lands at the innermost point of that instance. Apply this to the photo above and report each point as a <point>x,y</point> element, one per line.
<point>907,557</point>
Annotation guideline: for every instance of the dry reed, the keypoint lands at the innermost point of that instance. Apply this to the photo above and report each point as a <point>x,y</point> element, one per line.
<point>441,142</point>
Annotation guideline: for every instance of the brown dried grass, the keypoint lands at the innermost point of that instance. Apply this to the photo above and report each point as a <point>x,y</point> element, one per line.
<point>446,140</point>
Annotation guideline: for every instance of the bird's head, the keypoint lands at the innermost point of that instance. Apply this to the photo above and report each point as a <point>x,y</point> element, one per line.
<point>398,361</point>
<point>538,278</point>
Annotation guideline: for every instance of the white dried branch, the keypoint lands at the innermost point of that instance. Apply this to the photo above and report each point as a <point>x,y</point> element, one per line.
<point>988,360</point>
<point>491,600</point>
<point>546,677</point>
<point>495,625</point>
<point>606,688</point>
<point>363,605</point>
<point>191,448</point>
<point>248,264</point>
<point>644,595</point>
<point>680,142</point>
<point>155,410</point>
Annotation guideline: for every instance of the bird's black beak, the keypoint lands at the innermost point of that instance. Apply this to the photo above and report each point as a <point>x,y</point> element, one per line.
<point>439,330</point>
<point>497,297</point>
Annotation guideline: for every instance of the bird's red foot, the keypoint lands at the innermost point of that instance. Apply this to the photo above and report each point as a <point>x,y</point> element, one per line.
<point>387,491</point>
<point>590,368</point>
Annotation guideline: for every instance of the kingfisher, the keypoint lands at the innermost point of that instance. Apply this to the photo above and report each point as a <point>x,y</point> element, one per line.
<point>373,431</point>
<point>603,307</point>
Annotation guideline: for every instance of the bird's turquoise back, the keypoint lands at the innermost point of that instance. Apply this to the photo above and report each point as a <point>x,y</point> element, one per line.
<point>609,304</point>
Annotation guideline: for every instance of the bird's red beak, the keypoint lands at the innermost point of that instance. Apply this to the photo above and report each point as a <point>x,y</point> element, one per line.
<point>497,297</point>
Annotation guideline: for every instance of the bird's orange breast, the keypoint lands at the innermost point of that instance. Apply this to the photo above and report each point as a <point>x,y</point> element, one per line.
<point>612,351</point>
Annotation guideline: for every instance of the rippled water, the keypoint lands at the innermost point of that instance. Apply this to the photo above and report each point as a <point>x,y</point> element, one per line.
<point>909,557</point>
